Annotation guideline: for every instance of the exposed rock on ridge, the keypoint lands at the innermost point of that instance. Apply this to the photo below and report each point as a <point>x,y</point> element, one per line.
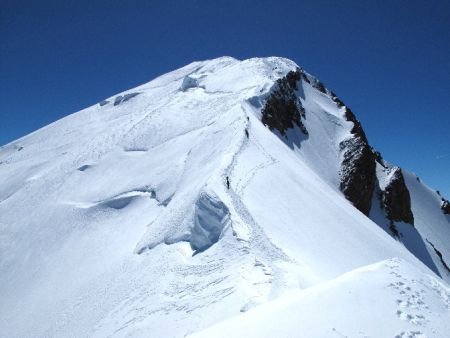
<point>283,110</point>
<point>357,173</point>
<point>358,165</point>
<point>439,254</point>
<point>396,200</point>
<point>445,206</point>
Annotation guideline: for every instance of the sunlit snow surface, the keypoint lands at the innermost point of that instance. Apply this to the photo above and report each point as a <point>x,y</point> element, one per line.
<point>116,221</point>
<point>386,299</point>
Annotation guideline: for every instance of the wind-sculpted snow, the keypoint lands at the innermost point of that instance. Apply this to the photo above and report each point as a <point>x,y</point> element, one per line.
<point>123,98</point>
<point>189,82</point>
<point>211,217</point>
<point>165,213</point>
<point>387,299</point>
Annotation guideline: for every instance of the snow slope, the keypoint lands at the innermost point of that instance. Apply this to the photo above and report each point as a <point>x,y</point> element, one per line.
<point>431,222</point>
<point>416,299</point>
<point>117,221</point>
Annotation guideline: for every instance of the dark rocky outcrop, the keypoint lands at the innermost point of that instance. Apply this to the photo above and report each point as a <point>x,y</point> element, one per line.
<point>396,200</point>
<point>358,173</point>
<point>357,129</point>
<point>445,206</point>
<point>380,159</point>
<point>358,166</point>
<point>338,101</point>
<point>319,86</point>
<point>394,229</point>
<point>283,109</point>
<point>439,254</point>
<point>303,75</point>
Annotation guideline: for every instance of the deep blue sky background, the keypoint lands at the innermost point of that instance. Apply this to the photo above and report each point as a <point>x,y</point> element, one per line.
<point>388,60</point>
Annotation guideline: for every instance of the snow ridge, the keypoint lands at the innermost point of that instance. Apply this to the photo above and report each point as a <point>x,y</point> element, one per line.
<point>170,209</point>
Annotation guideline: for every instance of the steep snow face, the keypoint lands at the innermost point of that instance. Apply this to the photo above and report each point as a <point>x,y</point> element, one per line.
<point>170,207</point>
<point>431,222</point>
<point>332,142</point>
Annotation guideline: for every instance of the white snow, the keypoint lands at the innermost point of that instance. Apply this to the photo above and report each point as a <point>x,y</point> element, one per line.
<point>430,221</point>
<point>387,299</point>
<point>116,221</point>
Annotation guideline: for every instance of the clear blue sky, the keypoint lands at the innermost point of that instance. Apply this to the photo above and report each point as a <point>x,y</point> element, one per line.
<point>388,60</point>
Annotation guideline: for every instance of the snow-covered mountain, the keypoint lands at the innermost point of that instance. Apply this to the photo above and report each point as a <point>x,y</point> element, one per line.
<point>226,198</point>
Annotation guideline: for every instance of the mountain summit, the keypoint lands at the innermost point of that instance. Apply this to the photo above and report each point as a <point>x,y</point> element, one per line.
<point>224,198</point>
